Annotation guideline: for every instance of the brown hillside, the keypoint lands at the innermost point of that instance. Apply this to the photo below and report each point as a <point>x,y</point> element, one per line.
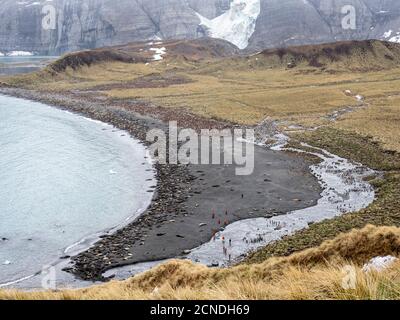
<point>352,55</point>
<point>190,50</point>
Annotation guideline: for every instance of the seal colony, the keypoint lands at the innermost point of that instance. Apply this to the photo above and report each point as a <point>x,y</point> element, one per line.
<point>180,216</point>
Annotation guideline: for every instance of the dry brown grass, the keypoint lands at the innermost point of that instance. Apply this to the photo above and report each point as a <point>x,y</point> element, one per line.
<point>82,78</point>
<point>248,96</point>
<point>244,95</point>
<point>380,120</point>
<point>247,90</point>
<point>246,101</point>
<point>312,274</point>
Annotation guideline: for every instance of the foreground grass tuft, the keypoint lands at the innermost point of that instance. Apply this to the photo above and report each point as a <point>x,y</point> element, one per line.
<point>315,273</point>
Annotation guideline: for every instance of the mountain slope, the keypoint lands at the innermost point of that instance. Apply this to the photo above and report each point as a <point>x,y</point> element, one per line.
<point>147,52</point>
<point>250,24</point>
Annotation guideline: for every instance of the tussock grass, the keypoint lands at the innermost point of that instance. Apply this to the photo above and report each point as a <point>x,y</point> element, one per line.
<point>315,273</point>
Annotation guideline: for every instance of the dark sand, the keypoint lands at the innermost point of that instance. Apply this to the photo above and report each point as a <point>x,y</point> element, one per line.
<point>180,216</point>
<point>280,183</point>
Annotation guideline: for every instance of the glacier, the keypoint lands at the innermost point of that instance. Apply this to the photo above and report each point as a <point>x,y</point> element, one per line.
<point>236,25</point>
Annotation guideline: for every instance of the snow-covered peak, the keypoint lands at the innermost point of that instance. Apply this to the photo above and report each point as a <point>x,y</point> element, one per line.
<point>237,24</point>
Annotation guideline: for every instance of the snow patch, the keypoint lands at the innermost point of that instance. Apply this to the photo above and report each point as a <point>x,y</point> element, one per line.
<point>159,53</point>
<point>19,54</point>
<point>379,263</point>
<point>155,38</point>
<point>395,39</point>
<point>387,34</point>
<point>237,24</point>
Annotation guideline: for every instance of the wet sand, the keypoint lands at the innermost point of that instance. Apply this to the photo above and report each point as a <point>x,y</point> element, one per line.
<point>191,202</point>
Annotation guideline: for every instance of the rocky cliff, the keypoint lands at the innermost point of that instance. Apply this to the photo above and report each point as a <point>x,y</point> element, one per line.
<point>29,25</point>
<point>297,22</point>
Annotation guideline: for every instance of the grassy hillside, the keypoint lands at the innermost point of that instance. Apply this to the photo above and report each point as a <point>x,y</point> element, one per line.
<point>316,273</point>
<point>245,90</point>
<point>364,56</point>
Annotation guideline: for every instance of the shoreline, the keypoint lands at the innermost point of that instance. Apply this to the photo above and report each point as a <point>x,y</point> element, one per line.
<point>179,192</point>
<point>344,188</point>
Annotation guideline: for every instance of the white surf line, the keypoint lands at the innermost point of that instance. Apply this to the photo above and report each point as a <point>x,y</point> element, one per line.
<point>81,246</point>
<point>344,191</point>
<point>88,241</point>
<point>7,284</point>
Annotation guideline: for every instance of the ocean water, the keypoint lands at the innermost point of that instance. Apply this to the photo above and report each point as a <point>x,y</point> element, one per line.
<point>63,178</point>
<point>23,64</point>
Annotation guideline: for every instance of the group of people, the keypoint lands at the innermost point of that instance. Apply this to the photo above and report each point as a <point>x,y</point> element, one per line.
<point>225,243</point>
